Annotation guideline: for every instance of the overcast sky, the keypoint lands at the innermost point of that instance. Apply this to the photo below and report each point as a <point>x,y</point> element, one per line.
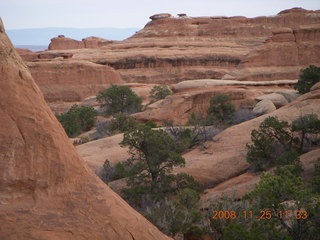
<point>17,14</point>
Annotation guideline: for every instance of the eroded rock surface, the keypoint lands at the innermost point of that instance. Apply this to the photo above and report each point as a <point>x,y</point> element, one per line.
<point>225,157</point>
<point>46,190</point>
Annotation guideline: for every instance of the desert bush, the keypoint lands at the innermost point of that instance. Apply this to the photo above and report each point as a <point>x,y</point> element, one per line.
<point>221,110</point>
<point>277,142</point>
<point>119,99</point>
<point>78,119</point>
<point>113,172</point>
<point>122,122</point>
<point>188,137</point>
<point>308,77</point>
<point>151,124</point>
<point>152,158</point>
<point>308,128</point>
<point>159,92</point>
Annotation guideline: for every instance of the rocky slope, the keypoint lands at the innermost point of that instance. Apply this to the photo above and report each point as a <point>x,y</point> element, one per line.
<point>194,96</point>
<point>225,157</point>
<point>46,190</point>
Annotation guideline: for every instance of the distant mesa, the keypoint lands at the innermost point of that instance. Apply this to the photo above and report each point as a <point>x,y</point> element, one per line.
<point>64,43</point>
<point>160,16</point>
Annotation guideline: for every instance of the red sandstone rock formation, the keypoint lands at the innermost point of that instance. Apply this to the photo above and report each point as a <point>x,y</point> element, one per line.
<point>194,97</point>
<point>61,43</point>
<point>72,81</point>
<point>225,158</point>
<point>46,190</point>
<point>169,50</point>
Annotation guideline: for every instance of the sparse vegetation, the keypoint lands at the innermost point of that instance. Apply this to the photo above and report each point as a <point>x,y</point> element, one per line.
<point>220,110</point>
<point>78,119</point>
<point>308,77</point>
<point>277,142</point>
<point>119,99</point>
<point>150,182</point>
<point>122,122</point>
<point>159,92</point>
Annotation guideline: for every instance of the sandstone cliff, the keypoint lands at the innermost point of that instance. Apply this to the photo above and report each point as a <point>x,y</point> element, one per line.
<point>46,191</point>
<point>71,81</point>
<point>169,50</point>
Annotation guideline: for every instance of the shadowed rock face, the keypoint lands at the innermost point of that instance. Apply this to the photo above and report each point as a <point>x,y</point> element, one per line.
<point>46,191</point>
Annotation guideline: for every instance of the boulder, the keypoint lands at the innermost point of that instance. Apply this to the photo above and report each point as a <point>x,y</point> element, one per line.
<point>289,95</point>
<point>277,99</point>
<point>263,107</point>
<point>46,189</point>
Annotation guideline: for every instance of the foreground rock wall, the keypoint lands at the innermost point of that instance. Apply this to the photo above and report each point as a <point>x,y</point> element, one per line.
<point>46,190</point>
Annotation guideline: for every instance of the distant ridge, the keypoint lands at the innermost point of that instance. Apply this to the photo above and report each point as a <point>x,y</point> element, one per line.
<point>42,36</point>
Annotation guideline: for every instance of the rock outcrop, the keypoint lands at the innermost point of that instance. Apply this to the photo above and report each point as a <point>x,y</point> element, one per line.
<point>46,190</point>
<point>61,42</point>
<point>194,97</point>
<point>263,107</point>
<point>169,50</point>
<point>70,80</point>
<point>236,187</point>
<point>224,158</point>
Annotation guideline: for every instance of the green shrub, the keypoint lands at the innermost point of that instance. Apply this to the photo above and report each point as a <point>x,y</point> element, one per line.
<point>113,172</point>
<point>121,123</point>
<point>221,109</point>
<point>119,99</point>
<point>151,124</point>
<point>78,119</point>
<point>308,77</point>
<point>152,159</point>
<point>277,142</point>
<point>159,92</point>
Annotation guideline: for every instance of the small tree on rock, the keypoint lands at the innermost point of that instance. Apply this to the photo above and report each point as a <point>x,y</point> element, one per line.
<point>160,92</point>
<point>152,158</point>
<point>119,99</point>
<point>308,77</point>
<point>220,110</point>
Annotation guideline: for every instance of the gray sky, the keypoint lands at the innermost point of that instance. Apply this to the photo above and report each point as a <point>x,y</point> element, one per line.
<point>18,14</point>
